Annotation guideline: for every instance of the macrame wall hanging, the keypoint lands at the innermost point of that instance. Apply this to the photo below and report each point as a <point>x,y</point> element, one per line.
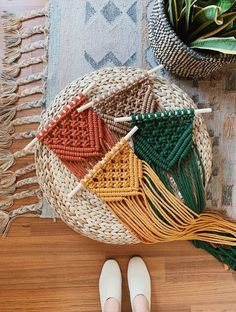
<point>165,141</point>
<point>22,91</point>
<point>79,212</point>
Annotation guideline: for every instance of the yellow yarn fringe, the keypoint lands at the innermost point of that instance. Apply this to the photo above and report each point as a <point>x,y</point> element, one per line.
<point>131,189</point>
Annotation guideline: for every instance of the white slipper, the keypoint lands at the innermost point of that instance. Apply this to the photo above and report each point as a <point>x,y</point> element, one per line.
<point>110,282</point>
<point>139,280</point>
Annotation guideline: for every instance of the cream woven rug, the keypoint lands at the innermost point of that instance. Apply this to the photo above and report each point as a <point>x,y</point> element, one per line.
<point>88,35</point>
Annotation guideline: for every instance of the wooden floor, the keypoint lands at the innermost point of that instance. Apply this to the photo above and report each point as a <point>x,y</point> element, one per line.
<point>46,267</point>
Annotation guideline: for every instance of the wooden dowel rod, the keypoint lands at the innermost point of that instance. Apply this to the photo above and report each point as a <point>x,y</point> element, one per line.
<point>197,111</point>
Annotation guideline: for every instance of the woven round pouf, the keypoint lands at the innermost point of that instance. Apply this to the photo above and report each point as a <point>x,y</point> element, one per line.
<point>86,213</point>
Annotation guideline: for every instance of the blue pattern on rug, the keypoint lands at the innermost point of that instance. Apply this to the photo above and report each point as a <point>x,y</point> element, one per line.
<point>100,33</point>
<point>111,11</point>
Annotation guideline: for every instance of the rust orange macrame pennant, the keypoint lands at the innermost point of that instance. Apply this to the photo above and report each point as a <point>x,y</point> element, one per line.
<point>80,140</point>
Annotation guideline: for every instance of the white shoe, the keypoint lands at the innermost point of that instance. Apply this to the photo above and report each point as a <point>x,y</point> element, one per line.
<point>139,280</point>
<point>110,282</point>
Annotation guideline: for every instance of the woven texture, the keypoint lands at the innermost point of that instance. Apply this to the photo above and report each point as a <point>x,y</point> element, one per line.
<point>86,213</point>
<point>164,141</point>
<point>176,55</point>
<point>23,86</point>
<point>80,140</point>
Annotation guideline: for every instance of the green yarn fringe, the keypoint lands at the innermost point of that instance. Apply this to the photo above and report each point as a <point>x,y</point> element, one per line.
<point>164,141</point>
<point>225,254</point>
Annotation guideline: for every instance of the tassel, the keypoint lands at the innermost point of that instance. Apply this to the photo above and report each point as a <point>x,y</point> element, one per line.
<point>8,184</point>
<point>10,22</point>
<point>7,217</point>
<point>13,38</point>
<point>6,159</point>
<point>10,85</point>
<point>13,98</point>
<point>7,114</point>
<point>13,22</point>
<point>13,54</point>
<point>8,201</point>
<point>4,221</point>
<point>13,70</point>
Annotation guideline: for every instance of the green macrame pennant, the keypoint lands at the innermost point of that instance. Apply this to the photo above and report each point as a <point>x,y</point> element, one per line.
<point>165,141</point>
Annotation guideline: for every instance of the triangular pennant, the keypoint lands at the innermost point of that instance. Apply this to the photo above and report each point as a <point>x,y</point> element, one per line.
<point>136,97</point>
<point>119,177</point>
<point>164,138</point>
<point>78,139</point>
<point>164,141</point>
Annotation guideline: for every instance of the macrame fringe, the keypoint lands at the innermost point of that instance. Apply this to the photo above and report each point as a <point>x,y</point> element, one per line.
<point>174,220</point>
<point>13,70</point>
<point>14,54</point>
<point>12,21</point>
<point>139,198</point>
<point>224,254</point>
<point>11,182</point>
<point>8,201</point>
<point>182,163</point>
<point>7,217</point>
<point>10,85</point>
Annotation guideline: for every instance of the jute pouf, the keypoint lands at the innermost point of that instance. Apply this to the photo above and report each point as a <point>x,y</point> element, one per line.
<point>86,213</point>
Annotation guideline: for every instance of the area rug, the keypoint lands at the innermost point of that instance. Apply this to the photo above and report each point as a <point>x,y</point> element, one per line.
<point>86,36</point>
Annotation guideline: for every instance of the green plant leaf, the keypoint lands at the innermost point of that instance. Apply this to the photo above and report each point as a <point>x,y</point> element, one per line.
<point>209,28</point>
<point>229,33</point>
<point>225,5</point>
<point>188,7</point>
<point>180,6</point>
<point>173,13</point>
<point>209,13</point>
<point>223,45</point>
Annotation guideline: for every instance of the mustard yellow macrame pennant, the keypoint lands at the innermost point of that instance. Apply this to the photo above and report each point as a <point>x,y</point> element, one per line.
<point>131,189</point>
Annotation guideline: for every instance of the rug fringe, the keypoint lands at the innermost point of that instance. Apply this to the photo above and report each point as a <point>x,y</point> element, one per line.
<point>7,217</point>
<point>12,21</point>
<point>11,93</point>
<point>14,54</point>
<point>13,70</point>
<point>10,86</point>
<point>8,201</point>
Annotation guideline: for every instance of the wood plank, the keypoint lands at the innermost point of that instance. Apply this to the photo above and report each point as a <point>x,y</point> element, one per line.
<point>45,266</point>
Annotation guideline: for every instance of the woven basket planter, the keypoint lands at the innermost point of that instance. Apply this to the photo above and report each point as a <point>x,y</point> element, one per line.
<point>86,213</point>
<point>175,55</point>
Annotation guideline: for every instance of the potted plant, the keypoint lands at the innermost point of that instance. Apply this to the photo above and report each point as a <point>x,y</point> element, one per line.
<point>193,38</point>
